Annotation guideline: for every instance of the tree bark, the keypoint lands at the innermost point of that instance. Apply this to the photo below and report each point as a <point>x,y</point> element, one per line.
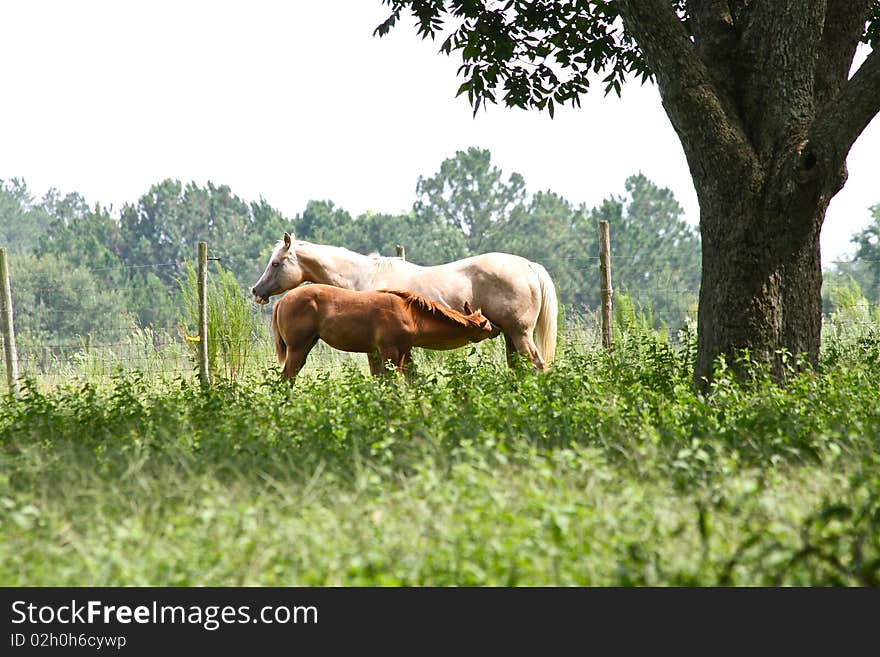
<point>759,95</point>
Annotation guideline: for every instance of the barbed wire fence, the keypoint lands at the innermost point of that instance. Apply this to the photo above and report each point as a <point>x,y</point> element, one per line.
<point>112,342</point>
<point>116,342</point>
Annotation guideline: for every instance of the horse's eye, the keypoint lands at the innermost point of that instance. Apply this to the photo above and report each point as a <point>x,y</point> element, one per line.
<point>274,264</point>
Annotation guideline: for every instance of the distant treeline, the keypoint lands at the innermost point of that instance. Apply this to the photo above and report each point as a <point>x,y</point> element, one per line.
<point>78,269</point>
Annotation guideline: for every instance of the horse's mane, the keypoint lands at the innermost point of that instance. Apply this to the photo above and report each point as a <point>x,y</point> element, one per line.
<point>384,263</point>
<point>432,307</point>
<point>378,261</point>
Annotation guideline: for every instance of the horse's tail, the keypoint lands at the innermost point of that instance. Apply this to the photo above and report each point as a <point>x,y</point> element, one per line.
<point>280,347</point>
<point>545,329</point>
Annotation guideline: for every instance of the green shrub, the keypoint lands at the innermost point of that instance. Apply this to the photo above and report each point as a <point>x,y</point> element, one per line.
<point>607,470</point>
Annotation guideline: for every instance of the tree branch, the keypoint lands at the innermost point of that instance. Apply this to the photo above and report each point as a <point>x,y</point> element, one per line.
<point>844,25</point>
<point>711,20</point>
<point>841,120</point>
<point>780,40</point>
<point>739,9</point>
<point>715,39</point>
<point>709,128</point>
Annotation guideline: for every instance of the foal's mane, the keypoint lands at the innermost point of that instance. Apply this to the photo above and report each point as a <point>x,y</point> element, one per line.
<point>432,307</point>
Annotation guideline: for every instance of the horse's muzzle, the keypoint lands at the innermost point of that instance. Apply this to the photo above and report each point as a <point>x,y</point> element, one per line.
<point>260,299</point>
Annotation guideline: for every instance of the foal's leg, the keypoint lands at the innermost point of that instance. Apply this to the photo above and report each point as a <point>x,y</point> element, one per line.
<point>376,364</point>
<point>409,366</point>
<point>394,355</point>
<point>378,358</point>
<point>296,358</point>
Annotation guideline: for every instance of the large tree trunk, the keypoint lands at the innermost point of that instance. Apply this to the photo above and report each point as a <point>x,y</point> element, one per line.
<point>761,283</point>
<point>760,96</point>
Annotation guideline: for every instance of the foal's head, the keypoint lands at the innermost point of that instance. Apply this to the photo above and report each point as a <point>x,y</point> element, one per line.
<point>480,327</point>
<point>472,324</point>
<point>282,273</point>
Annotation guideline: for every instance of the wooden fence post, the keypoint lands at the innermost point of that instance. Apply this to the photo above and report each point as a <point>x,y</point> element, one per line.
<point>607,292</point>
<point>203,313</point>
<point>8,327</point>
<point>401,252</point>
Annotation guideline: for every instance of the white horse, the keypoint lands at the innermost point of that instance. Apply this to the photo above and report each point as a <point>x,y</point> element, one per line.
<point>517,295</point>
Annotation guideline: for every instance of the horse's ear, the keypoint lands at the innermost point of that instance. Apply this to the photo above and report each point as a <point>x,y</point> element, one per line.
<point>287,239</point>
<point>467,309</point>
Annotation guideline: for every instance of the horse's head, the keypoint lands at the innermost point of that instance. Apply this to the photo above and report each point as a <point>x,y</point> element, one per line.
<point>282,273</point>
<point>481,323</point>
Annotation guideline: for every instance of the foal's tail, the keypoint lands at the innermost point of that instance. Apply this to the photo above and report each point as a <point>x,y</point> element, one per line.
<point>545,329</point>
<point>280,347</point>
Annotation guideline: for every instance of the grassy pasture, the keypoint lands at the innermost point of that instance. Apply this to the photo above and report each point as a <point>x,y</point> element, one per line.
<point>606,471</point>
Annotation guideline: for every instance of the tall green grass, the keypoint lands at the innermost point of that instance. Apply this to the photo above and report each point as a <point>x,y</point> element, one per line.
<point>233,323</point>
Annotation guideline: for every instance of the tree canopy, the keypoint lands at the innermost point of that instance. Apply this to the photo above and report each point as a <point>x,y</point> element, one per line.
<point>537,55</point>
<point>24,220</point>
<point>468,194</point>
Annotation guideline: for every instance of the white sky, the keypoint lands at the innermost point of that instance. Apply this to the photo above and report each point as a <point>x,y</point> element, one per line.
<point>292,101</point>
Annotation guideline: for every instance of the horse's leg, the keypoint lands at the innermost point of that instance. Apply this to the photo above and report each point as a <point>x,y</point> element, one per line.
<point>523,344</point>
<point>510,350</point>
